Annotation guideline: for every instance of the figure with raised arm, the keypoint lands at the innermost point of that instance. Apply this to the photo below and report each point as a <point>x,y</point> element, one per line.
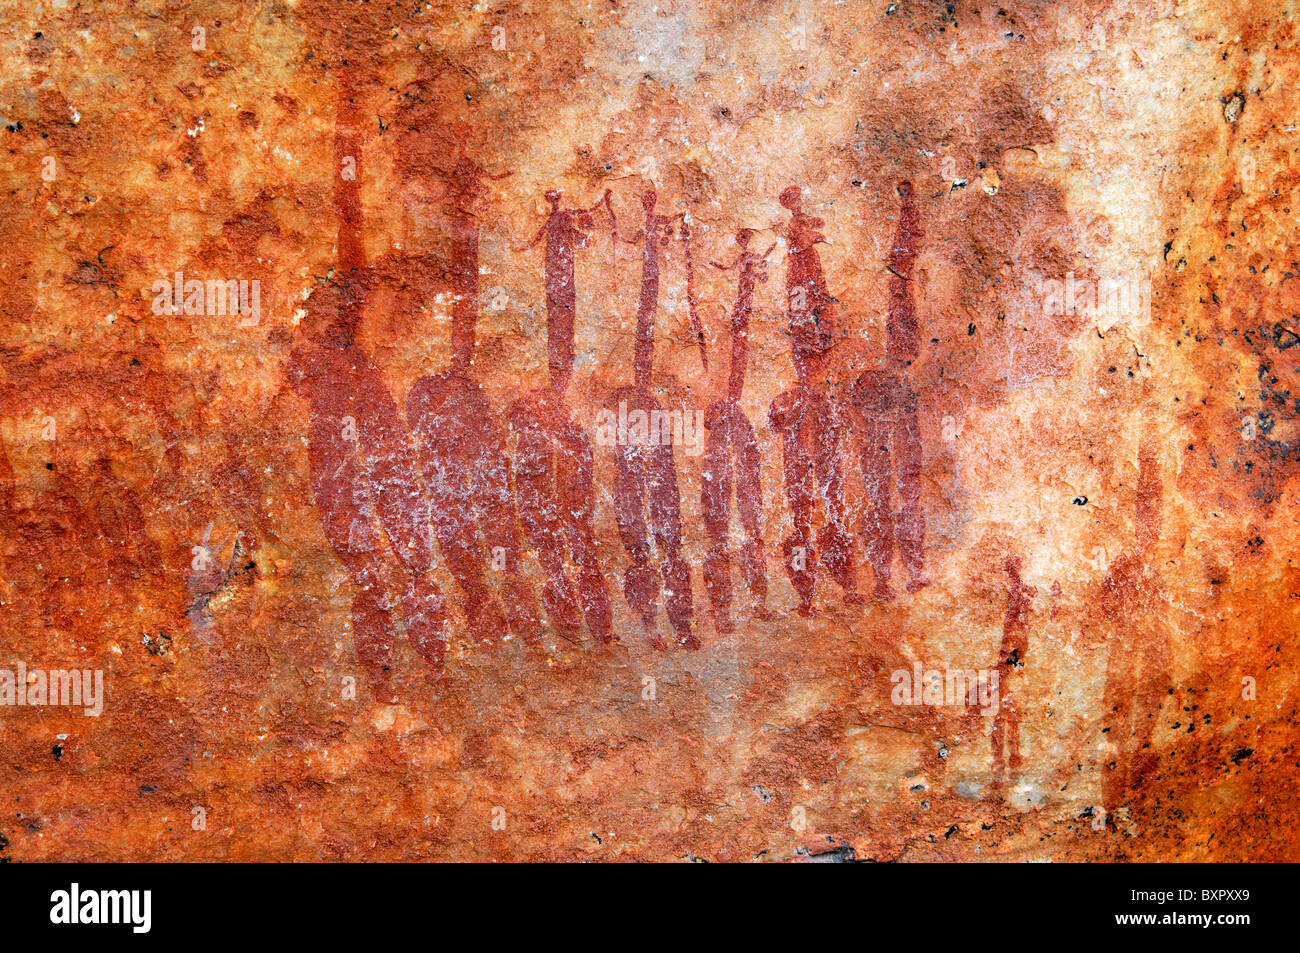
<point>553,462</point>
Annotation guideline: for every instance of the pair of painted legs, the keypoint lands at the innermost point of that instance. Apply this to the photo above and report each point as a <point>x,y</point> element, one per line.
<point>648,509</point>
<point>1137,681</point>
<point>731,458</point>
<point>811,432</point>
<point>553,470</point>
<point>386,593</point>
<point>891,467</point>
<point>466,474</point>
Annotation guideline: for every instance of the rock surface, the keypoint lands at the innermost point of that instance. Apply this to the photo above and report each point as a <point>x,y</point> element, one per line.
<point>995,377</point>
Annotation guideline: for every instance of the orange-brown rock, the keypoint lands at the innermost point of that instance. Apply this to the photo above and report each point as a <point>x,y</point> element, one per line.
<point>649,430</point>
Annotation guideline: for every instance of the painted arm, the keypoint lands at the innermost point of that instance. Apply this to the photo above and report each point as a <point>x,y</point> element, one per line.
<point>540,232</point>
<point>614,234</point>
<point>696,326</point>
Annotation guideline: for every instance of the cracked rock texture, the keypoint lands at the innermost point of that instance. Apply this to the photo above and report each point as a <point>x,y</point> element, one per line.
<point>1001,379</point>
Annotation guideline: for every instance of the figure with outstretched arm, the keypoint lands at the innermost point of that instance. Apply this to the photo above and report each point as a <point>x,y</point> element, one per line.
<point>731,456</point>
<point>364,475</point>
<point>463,446</point>
<point>809,421</point>
<point>553,461</point>
<point>565,230</point>
<point>647,504</point>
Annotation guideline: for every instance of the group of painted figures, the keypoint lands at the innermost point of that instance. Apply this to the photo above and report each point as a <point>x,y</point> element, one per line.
<point>389,484</point>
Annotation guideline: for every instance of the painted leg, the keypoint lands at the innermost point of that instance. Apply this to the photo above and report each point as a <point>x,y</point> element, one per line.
<point>911,518</point>
<point>641,583</point>
<point>539,510</point>
<point>426,621</point>
<point>749,501</point>
<point>373,638</point>
<point>574,479</point>
<point>664,505</point>
<point>878,528</point>
<point>715,499</point>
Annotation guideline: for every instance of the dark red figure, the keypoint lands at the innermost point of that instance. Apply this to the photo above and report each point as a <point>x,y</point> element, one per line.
<point>1011,656</point>
<point>463,447</point>
<point>891,438</point>
<point>646,501</point>
<point>553,464</point>
<point>731,455</point>
<point>565,230</point>
<point>364,473</point>
<point>809,421</point>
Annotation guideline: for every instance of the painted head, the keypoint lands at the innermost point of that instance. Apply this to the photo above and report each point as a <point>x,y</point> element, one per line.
<point>460,132</point>
<point>415,144</point>
<point>792,198</point>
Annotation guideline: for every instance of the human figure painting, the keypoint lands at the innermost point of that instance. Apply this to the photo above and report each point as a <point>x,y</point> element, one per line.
<point>650,431</point>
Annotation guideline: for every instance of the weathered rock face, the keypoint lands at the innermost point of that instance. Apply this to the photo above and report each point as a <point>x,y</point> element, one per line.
<point>733,431</point>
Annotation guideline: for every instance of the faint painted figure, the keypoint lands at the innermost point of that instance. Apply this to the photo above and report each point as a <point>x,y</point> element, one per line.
<point>809,421</point>
<point>1137,668</point>
<point>364,473</point>
<point>462,445</point>
<point>891,438</point>
<point>53,551</point>
<point>1011,656</point>
<point>553,463</point>
<point>731,458</point>
<point>646,500</point>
